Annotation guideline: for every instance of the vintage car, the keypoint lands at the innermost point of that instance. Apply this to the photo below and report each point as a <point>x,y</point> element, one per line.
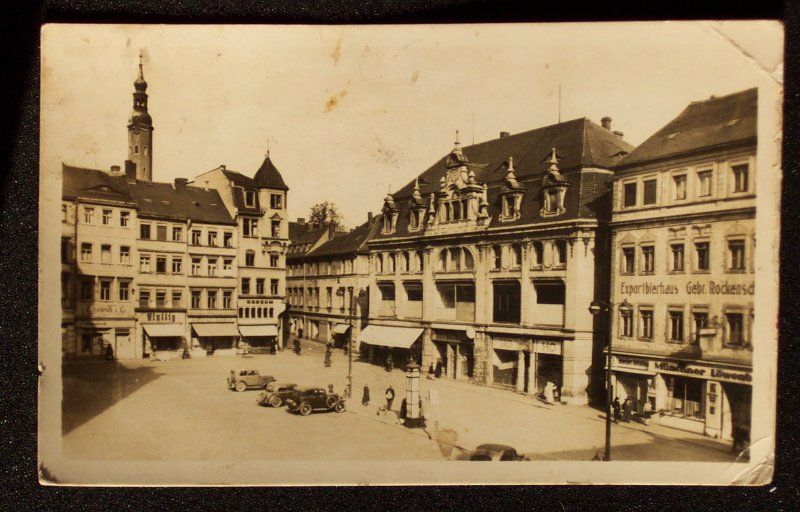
<point>275,393</point>
<point>493,451</point>
<point>242,380</point>
<point>307,400</point>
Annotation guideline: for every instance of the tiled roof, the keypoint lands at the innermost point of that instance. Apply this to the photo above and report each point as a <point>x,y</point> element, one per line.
<point>94,184</point>
<point>268,176</point>
<point>349,242</point>
<point>703,124</point>
<point>579,144</point>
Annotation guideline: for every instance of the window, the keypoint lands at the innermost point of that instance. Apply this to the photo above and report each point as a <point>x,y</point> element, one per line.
<point>161,232</point>
<point>387,292</point>
<point>273,287</point>
<point>328,294</point>
<point>676,259</point>
<point>740,177</point>
<point>250,227</point>
<point>538,254</point>
<point>628,260</point>
<point>144,298</point>
<point>420,262</point>
<point>144,231</point>
<point>260,286</point>
<point>212,238</point>
<point>626,324</point>
<point>144,263</point>
<point>413,220</point>
<point>105,253</point>
<point>124,290</point>
<point>124,219</point>
<point>648,259</point>
<point>87,288</point>
<point>275,201</point>
<point>88,215</point>
<point>506,302</point>
<point>63,213</point>
<point>516,255</point>
<point>650,191</point>
<point>196,234</point>
<point>227,264</point>
<point>736,261</point>
<point>177,233</point>
<point>196,264</point>
<point>684,396</point>
<point>701,251</point>
<point>413,292</point>
<point>211,299</point>
<point>177,264</point>
<point>177,298</point>
<point>678,187</point>
<point>509,206</point>
<point>106,217</point>
<point>227,239</point>
<point>552,201</point>
<point>125,255</point>
<point>245,286</point>
<point>550,292</point>
<point>64,250</point>
<point>195,299</point>
<point>700,319</point>
<point>735,329</point>
<point>273,260</point>
<point>560,248</point>
<point>161,264</point>
<point>227,299</point>
<point>276,229</point>
<point>161,298</point>
<point>212,266</point>
<point>105,289</point>
<point>249,259</point>
<point>676,326</point>
<point>497,257</point>
<point>86,252</point>
<point>249,198</point>
<point>646,324</point>
<point>629,194</point>
<point>704,182</point>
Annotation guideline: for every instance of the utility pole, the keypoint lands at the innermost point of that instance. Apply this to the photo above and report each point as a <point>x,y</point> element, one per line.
<point>350,347</point>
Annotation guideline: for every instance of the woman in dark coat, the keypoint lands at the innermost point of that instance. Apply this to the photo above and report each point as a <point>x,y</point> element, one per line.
<point>365,396</point>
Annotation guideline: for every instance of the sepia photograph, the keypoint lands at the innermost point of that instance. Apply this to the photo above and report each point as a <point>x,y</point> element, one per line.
<point>346,255</point>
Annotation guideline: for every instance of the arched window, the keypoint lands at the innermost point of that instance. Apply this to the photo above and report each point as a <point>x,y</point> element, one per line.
<point>258,312</point>
<point>538,254</point>
<point>560,253</point>
<point>455,259</point>
<point>497,257</point>
<point>469,261</point>
<point>406,262</point>
<point>457,210</point>
<point>419,264</point>
<point>390,263</point>
<point>441,261</point>
<point>379,263</point>
<point>516,255</point>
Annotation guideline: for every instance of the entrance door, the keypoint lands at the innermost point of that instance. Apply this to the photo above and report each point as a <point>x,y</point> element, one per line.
<point>123,344</point>
<point>548,369</point>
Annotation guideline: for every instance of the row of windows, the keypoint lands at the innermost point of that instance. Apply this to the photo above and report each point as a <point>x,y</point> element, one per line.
<point>734,330</point>
<point>256,312</point>
<point>250,228</point>
<point>275,200</point>
<point>684,184</point>
<point>409,262</point>
<point>208,266</point>
<point>214,299</point>
<point>106,216</point>
<point>100,288</point>
<point>510,256</point>
<point>343,297</point>
<point>323,268</point>
<point>698,259</point>
<point>274,286</point>
<point>250,259</point>
<point>123,254</point>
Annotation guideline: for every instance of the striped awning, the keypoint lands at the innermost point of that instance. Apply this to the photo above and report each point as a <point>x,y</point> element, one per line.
<point>213,330</point>
<point>385,336</point>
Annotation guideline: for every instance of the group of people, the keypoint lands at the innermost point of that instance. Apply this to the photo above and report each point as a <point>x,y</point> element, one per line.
<point>435,371</point>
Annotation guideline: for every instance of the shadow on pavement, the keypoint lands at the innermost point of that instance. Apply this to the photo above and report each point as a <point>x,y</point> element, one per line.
<point>649,451</point>
<point>91,387</point>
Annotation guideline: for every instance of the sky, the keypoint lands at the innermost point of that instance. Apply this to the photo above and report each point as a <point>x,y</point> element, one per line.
<point>350,112</point>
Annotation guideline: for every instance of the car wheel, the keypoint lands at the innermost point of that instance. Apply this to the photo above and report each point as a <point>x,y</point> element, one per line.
<point>330,402</point>
<point>241,386</point>
<point>262,397</point>
<point>340,407</point>
<point>305,409</point>
<point>275,401</point>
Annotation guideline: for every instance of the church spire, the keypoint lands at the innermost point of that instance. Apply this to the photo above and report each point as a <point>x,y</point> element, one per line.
<point>140,129</point>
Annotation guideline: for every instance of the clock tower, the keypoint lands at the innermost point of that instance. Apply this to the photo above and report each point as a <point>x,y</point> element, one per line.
<point>140,130</point>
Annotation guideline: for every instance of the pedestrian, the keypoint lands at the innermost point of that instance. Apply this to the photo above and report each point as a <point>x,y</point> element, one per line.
<point>365,396</point>
<point>300,332</point>
<point>272,348</point>
<point>431,369</point>
<point>438,371</point>
<point>626,410</point>
<point>389,397</point>
<point>403,409</point>
<point>389,363</point>
<point>330,389</point>
<point>549,397</point>
<point>109,352</point>
<point>616,407</point>
<point>327,359</point>
<point>297,346</point>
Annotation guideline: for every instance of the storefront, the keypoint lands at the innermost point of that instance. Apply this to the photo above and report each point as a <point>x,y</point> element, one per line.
<point>341,333</point>
<point>456,354</point>
<point>163,337</point>
<point>219,339</point>
<point>633,379</point>
<point>402,344</point>
<point>525,364</point>
<point>93,338</point>
<point>161,334</point>
<point>260,338</point>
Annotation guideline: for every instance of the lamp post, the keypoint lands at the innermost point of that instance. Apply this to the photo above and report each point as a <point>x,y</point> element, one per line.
<point>341,291</point>
<point>595,308</point>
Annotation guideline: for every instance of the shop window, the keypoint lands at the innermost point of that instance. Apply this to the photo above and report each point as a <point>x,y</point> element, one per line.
<point>648,259</point>
<point>705,182</point>
<point>195,299</point>
<point>684,396</point>
<point>626,324</point>
<point>106,217</point>
<point>144,298</point>
<point>105,253</point>
<point>259,286</point>
<point>550,292</point>
<point>245,286</point>
<point>538,254</point>
<point>650,191</point>
<point>741,178</point>
<point>646,324</point>
<point>105,289</point>
<point>124,219</point>
<point>676,257</point>
<point>177,298</point>
<point>86,252</point>
<point>124,290</point>
<point>734,326</point>
<point>736,259</point>
<point>144,263</point>
<point>629,194</point>
<point>177,264</point>
<point>628,260</point>
<point>701,252</point>
<point>675,326</point>
<point>678,187</point>
<point>506,302</point>
<point>125,255</point>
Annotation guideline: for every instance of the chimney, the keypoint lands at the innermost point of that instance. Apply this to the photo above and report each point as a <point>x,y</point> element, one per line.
<point>618,133</point>
<point>331,229</point>
<point>606,122</point>
<point>130,170</point>
<point>301,220</point>
<point>180,183</point>
<point>369,216</point>
<point>503,135</point>
<point>115,169</point>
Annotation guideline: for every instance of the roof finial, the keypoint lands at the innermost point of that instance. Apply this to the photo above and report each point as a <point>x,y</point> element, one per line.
<point>267,147</point>
<point>553,160</point>
<point>457,142</point>
<point>416,188</point>
<point>140,83</point>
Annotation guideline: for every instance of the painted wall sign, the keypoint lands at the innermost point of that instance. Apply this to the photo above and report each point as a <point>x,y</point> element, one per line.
<point>704,372</point>
<point>709,287</point>
<point>108,309</point>
<point>547,347</point>
<point>161,317</point>
<point>630,362</point>
<point>509,344</point>
<point>259,301</point>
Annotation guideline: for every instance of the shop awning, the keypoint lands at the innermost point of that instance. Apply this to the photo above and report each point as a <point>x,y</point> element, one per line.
<point>258,330</point>
<point>213,330</point>
<point>503,365</point>
<point>384,336</point>
<point>340,328</point>
<point>163,330</point>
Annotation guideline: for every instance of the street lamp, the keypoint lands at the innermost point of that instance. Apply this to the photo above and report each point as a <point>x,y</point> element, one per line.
<point>595,308</point>
<point>349,390</point>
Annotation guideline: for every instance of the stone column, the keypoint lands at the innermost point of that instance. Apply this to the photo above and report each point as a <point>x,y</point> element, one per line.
<point>520,371</point>
<point>428,286</point>
<point>482,288</point>
<point>487,362</point>
<point>429,352</point>
<point>526,292</point>
<point>532,388</point>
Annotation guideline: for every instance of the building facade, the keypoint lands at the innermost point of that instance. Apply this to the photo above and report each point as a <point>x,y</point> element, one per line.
<point>477,259</point>
<point>683,240</point>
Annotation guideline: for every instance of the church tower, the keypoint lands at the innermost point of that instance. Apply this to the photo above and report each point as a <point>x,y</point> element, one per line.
<point>140,130</point>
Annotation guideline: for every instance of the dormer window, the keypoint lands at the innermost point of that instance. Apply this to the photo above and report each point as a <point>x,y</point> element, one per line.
<point>388,223</point>
<point>554,189</point>
<point>249,198</point>
<point>511,195</point>
<point>413,220</point>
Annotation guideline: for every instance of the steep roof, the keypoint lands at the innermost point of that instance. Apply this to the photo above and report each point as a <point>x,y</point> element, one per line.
<point>240,184</point>
<point>703,124</point>
<point>348,242</point>
<point>268,176</point>
<point>94,184</point>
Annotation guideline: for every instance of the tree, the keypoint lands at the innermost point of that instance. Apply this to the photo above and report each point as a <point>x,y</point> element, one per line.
<point>326,213</point>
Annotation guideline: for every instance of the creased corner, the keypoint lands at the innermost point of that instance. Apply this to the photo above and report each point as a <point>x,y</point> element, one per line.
<point>759,473</point>
<point>773,69</point>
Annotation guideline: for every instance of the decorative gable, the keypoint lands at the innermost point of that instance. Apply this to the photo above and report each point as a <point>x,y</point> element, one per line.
<point>510,195</point>
<point>390,213</point>
<point>554,189</point>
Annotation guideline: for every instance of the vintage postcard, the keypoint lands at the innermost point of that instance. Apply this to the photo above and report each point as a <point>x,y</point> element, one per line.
<point>346,255</point>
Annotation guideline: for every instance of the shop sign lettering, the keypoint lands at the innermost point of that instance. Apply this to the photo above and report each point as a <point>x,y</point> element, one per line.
<point>631,362</point>
<point>711,373</point>
<point>160,316</point>
<point>106,309</point>
<point>259,301</point>
<point>508,344</point>
<point>547,347</point>
<point>724,288</point>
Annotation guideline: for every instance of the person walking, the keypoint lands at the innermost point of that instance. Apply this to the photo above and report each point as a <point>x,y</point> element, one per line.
<point>328,358</point>
<point>616,407</point>
<point>626,410</point>
<point>297,346</point>
<point>389,398</point>
<point>109,352</point>
<point>389,363</point>
<point>365,396</point>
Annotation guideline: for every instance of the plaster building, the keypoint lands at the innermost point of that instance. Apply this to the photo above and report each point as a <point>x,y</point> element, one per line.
<point>683,241</point>
<point>261,237</point>
<point>477,259</point>
<point>328,286</point>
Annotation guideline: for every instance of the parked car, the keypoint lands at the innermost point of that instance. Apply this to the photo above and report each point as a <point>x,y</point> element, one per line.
<point>248,379</point>
<point>491,451</point>
<point>275,393</point>
<point>307,400</point>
